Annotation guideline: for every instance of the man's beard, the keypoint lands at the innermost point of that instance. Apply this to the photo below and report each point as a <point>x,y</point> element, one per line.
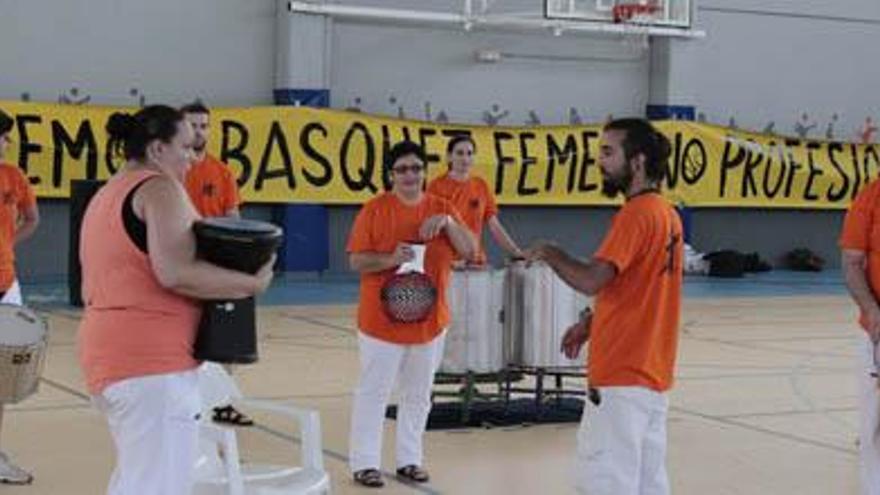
<point>612,186</point>
<point>200,147</point>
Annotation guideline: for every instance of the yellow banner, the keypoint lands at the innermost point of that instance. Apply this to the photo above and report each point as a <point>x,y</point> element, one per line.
<point>306,155</point>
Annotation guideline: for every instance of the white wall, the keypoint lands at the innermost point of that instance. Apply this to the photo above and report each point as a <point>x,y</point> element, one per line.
<point>771,61</point>
<point>223,51</point>
<point>539,72</point>
<point>171,50</point>
<point>841,8</point>
<point>814,56</point>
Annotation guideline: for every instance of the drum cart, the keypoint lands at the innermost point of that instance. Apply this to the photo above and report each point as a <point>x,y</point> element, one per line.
<point>511,382</point>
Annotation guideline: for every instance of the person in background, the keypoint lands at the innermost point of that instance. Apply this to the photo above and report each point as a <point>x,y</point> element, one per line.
<point>19,217</point>
<point>214,193</point>
<point>471,196</point>
<point>860,261</point>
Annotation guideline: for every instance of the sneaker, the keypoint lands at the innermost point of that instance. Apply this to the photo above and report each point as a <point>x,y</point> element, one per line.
<point>12,474</point>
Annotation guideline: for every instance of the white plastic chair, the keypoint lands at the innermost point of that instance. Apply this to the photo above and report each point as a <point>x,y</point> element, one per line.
<point>219,469</point>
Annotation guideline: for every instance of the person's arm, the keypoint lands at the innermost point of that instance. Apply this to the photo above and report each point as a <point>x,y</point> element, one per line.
<point>29,218</point>
<point>233,198</point>
<point>585,277</point>
<point>28,213</point>
<point>499,233</point>
<point>855,265</point>
<point>461,238</point>
<point>165,209</point>
<point>625,242</point>
<point>371,262</point>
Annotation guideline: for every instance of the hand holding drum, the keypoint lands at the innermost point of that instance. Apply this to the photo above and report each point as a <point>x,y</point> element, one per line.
<point>265,273</point>
<point>227,331</point>
<point>541,251</point>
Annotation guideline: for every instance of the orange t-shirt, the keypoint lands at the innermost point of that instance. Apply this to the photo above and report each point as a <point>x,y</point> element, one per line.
<point>212,187</point>
<point>634,337</point>
<point>17,195</point>
<point>861,232</point>
<point>473,200</point>
<point>382,223</point>
<point>131,326</point>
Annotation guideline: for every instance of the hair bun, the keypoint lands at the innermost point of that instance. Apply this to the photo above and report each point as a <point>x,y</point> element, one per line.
<point>120,126</point>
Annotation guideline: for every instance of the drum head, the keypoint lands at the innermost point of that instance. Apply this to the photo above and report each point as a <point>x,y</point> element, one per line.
<point>21,326</point>
<point>235,243</point>
<point>230,226</point>
<point>408,297</point>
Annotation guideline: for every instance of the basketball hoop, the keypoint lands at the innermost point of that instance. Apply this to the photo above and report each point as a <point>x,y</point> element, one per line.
<point>639,17</point>
<point>632,12</point>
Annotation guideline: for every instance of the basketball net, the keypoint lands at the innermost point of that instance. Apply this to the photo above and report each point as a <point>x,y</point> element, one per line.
<point>638,17</point>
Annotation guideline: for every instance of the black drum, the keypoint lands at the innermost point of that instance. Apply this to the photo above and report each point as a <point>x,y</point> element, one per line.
<point>228,331</point>
<point>236,243</point>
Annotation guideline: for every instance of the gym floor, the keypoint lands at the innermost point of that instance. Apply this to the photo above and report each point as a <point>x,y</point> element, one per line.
<point>765,400</point>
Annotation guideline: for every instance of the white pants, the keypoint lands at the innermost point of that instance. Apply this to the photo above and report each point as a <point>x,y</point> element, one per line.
<point>622,443</point>
<point>154,424</point>
<point>12,295</point>
<point>381,364</point>
<point>869,407</point>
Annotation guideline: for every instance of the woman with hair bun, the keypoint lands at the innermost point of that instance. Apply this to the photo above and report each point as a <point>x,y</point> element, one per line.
<point>141,286</point>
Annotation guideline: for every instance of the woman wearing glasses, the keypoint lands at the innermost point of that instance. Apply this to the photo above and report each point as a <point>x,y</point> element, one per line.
<point>380,241</point>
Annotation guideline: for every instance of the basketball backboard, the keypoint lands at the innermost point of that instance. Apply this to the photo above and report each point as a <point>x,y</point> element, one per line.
<point>669,13</point>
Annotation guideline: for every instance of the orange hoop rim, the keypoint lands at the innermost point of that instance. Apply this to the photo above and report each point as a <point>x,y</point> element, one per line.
<point>623,12</point>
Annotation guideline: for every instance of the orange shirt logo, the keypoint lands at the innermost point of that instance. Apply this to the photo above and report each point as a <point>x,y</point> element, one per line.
<point>209,190</point>
<point>671,250</point>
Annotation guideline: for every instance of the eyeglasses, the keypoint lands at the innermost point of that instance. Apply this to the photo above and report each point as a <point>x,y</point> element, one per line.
<point>410,168</point>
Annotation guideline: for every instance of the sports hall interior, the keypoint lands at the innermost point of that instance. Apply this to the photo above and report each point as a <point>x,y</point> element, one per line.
<point>765,399</point>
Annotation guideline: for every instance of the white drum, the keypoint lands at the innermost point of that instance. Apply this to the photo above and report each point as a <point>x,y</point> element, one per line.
<point>475,337</point>
<point>539,308</point>
<point>23,341</point>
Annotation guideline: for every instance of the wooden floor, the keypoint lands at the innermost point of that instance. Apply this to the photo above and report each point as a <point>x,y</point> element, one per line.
<point>764,404</point>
